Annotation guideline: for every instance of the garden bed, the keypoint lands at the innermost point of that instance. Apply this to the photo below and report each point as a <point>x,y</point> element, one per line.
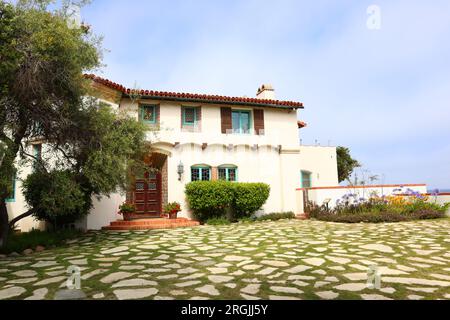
<point>406,205</point>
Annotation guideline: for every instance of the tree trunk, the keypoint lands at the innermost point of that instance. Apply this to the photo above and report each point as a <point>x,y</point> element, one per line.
<point>4,223</point>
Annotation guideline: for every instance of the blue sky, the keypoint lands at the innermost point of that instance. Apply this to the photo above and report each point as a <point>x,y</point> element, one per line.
<point>385,94</point>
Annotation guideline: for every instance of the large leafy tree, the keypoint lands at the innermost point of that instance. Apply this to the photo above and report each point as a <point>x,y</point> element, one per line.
<point>43,96</point>
<point>346,164</point>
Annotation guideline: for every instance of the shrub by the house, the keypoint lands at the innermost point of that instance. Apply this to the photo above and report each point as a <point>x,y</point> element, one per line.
<point>223,199</point>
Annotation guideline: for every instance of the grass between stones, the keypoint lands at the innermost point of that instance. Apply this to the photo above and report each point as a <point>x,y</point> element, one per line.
<point>295,259</point>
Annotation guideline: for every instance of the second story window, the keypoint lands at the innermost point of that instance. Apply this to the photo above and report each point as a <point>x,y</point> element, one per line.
<point>241,121</point>
<point>147,114</point>
<point>189,116</point>
<point>200,173</point>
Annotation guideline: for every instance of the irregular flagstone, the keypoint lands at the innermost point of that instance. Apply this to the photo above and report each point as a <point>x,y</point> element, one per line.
<point>286,290</point>
<point>157,270</point>
<point>220,279</point>
<point>168,276</point>
<point>116,276</point>
<point>132,294</point>
<point>297,269</point>
<point>351,287</point>
<point>374,297</point>
<point>230,285</point>
<point>274,297</point>
<point>300,283</point>
<point>235,258</point>
<point>43,264</point>
<point>187,284</point>
<point>112,259</point>
<point>131,268</point>
<point>208,289</point>
<point>356,276</point>
<point>79,262</point>
<point>11,292</point>
<point>275,263</point>
<point>25,273</point>
<point>49,281</point>
<point>327,295</point>
<point>378,247</point>
<point>415,297</point>
<point>249,297</point>
<point>134,283</point>
<point>22,280</point>
<point>418,281</point>
<point>251,289</point>
<point>218,270</point>
<point>98,296</point>
<point>338,259</point>
<point>38,294</point>
<point>115,250</point>
<point>252,267</point>
<point>266,271</point>
<point>440,276</point>
<point>427,290</point>
<point>187,270</point>
<point>178,293</point>
<point>92,274</point>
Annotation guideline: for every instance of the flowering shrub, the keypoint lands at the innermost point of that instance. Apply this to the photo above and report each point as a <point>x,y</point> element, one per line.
<point>127,207</point>
<point>403,205</point>
<point>172,207</point>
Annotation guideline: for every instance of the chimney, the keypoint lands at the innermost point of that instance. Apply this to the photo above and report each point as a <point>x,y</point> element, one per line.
<point>266,91</point>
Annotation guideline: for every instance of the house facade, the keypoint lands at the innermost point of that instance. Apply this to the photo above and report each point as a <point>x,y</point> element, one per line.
<point>209,137</point>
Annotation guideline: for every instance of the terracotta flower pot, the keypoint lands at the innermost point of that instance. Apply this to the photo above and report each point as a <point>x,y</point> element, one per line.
<point>173,214</point>
<point>128,216</point>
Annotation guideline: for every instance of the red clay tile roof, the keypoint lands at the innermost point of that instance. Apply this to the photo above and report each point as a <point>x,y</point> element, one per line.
<point>197,97</point>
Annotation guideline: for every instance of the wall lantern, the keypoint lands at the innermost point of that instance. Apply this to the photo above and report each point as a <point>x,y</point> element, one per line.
<point>180,170</point>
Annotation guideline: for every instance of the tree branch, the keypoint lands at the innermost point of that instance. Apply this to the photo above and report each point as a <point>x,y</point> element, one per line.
<point>22,216</point>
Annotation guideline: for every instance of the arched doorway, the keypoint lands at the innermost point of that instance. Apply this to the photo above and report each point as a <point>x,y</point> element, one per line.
<point>149,192</point>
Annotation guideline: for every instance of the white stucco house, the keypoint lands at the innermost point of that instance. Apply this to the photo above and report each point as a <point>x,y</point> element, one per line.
<point>208,137</point>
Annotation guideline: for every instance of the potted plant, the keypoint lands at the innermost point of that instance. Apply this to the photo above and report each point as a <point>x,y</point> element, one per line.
<point>127,210</point>
<point>172,209</point>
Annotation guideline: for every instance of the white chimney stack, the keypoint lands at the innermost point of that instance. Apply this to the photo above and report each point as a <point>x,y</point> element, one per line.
<point>266,91</point>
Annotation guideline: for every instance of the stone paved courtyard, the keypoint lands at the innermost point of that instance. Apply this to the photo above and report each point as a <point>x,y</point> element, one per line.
<point>270,260</point>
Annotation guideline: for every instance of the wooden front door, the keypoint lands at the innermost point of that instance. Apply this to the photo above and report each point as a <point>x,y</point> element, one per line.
<point>148,195</point>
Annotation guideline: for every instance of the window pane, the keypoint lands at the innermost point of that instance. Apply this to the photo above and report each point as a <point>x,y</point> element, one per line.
<point>140,185</point>
<point>232,175</point>
<point>236,121</point>
<point>195,176</point>
<point>245,122</point>
<point>148,113</point>
<point>306,180</point>
<point>222,174</point>
<point>189,116</point>
<point>205,174</point>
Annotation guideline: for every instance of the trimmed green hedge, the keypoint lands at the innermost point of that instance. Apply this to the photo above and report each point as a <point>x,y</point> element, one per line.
<point>218,199</point>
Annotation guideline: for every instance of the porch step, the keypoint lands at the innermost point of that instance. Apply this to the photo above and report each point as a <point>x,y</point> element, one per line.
<point>150,224</point>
